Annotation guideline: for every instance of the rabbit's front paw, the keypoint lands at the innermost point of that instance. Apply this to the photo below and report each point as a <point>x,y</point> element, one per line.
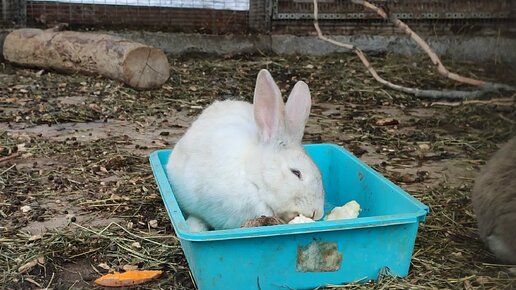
<point>196,225</point>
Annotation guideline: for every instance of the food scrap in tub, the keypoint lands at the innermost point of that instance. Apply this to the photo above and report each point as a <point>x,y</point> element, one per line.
<point>348,211</point>
<point>262,221</point>
<point>301,219</point>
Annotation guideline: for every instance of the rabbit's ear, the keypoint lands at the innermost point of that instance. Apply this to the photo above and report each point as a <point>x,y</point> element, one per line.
<point>268,107</point>
<point>297,111</point>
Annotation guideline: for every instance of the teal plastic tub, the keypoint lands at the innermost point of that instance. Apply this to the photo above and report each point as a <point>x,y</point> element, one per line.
<point>310,255</point>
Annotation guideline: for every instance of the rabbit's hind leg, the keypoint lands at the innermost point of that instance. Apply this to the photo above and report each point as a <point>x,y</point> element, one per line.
<point>196,224</point>
<point>501,249</point>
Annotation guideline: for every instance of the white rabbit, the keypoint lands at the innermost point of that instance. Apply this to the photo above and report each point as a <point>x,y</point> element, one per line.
<point>239,161</point>
<point>494,202</point>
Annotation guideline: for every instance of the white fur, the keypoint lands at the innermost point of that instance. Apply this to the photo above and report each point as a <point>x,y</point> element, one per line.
<point>234,163</point>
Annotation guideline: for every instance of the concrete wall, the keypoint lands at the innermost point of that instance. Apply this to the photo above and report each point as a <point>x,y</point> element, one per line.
<point>461,48</point>
<point>484,48</point>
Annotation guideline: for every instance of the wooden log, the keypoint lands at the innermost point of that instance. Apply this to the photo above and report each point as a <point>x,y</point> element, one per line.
<point>3,34</point>
<point>137,65</point>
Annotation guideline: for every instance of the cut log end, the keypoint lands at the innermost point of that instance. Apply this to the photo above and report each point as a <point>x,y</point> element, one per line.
<point>145,68</point>
<point>3,35</point>
<point>135,64</point>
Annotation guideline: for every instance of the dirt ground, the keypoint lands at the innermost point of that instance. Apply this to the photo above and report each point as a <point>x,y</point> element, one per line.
<point>78,198</point>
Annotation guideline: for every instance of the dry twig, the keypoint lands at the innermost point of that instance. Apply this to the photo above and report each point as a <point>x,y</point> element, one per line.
<point>10,157</point>
<point>485,87</point>
<point>497,102</point>
<point>426,48</point>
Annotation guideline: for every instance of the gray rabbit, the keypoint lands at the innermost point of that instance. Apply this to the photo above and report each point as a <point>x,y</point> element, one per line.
<point>494,202</point>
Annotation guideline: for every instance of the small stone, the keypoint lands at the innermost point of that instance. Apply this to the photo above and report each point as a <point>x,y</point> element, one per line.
<point>26,208</point>
<point>136,245</point>
<point>104,266</point>
<point>424,147</point>
<point>153,224</point>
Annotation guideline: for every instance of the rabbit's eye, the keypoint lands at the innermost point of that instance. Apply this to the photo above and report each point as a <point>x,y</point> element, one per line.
<point>296,173</point>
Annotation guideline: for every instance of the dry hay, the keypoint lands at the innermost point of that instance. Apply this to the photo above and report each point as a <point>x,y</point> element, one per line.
<point>82,145</point>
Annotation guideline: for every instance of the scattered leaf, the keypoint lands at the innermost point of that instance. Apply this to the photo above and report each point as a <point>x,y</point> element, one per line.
<point>129,267</point>
<point>21,147</point>
<point>29,265</point>
<point>95,108</point>
<point>104,266</point>
<point>35,238</point>
<point>387,122</point>
<point>424,147</point>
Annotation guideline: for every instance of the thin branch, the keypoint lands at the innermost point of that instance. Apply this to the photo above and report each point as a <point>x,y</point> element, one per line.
<point>497,102</point>
<point>446,94</point>
<point>10,157</point>
<point>426,48</point>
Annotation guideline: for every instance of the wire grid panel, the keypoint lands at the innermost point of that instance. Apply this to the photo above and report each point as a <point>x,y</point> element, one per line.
<point>212,16</point>
<point>238,5</point>
<point>12,13</point>
<point>442,17</point>
<point>403,9</point>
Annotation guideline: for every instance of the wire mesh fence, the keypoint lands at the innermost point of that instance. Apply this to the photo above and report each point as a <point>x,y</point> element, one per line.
<point>213,16</point>
<point>13,13</point>
<point>434,16</point>
<point>275,16</point>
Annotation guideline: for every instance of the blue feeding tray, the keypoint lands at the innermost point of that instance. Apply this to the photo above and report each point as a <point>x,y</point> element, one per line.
<point>309,255</point>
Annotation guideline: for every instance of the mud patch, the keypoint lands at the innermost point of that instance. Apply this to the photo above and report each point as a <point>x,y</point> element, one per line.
<point>61,221</point>
<point>78,274</point>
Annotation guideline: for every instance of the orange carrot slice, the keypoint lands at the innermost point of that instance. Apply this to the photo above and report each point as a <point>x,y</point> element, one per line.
<point>127,278</point>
